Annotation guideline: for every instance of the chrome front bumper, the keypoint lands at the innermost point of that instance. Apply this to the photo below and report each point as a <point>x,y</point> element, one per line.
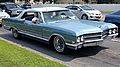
<point>93,42</point>
<point>109,37</point>
<point>81,44</point>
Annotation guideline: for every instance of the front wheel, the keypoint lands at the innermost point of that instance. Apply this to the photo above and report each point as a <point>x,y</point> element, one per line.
<point>59,45</point>
<point>84,17</point>
<point>16,34</point>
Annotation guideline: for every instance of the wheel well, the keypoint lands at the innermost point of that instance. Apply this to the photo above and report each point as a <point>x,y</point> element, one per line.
<point>51,39</point>
<point>11,28</point>
<point>84,15</point>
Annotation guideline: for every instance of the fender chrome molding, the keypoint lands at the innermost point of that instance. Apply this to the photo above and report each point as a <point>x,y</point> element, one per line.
<point>33,36</point>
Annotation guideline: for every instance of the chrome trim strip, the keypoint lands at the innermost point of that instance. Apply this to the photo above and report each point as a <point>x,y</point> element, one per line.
<point>56,35</point>
<point>33,36</point>
<point>93,40</point>
<point>75,45</point>
<point>113,34</point>
<point>92,36</point>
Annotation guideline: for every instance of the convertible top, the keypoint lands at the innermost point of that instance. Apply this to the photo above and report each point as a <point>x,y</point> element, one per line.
<point>46,9</point>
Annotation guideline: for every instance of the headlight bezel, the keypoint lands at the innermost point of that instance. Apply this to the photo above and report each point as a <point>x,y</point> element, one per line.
<point>80,39</point>
<point>112,31</point>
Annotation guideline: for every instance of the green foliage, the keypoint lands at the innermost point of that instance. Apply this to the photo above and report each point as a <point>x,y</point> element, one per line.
<point>87,1</point>
<point>14,56</point>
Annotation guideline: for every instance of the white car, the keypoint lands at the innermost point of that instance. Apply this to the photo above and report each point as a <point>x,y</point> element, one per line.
<point>85,12</point>
<point>3,14</point>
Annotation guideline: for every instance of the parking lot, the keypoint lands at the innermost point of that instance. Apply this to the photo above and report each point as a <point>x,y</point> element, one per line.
<point>105,55</point>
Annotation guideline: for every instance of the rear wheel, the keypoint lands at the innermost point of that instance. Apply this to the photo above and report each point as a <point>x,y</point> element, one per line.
<point>16,34</point>
<point>59,45</point>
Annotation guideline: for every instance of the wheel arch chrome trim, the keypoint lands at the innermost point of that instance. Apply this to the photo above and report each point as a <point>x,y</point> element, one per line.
<point>56,34</point>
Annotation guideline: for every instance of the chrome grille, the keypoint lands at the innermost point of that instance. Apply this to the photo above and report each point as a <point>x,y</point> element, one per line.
<point>92,36</point>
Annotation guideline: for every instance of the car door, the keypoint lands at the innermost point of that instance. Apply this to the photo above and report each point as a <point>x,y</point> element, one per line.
<point>32,29</point>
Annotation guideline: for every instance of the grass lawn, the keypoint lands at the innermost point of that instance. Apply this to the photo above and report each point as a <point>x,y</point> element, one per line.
<point>106,11</point>
<point>14,56</point>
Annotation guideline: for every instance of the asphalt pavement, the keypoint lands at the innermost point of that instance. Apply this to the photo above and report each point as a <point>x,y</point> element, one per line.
<point>105,55</point>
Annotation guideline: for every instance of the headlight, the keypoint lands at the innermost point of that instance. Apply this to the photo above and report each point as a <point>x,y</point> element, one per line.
<point>110,31</point>
<point>114,31</point>
<point>80,39</point>
<point>91,13</point>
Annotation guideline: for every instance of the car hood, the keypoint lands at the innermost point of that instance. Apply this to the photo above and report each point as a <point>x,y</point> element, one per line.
<point>76,26</point>
<point>113,16</point>
<point>100,24</point>
<point>93,11</point>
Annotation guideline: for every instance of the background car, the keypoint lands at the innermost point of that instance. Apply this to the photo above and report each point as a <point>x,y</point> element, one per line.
<point>25,6</point>
<point>114,18</point>
<point>85,12</point>
<point>3,15</point>
<point>11,8</point>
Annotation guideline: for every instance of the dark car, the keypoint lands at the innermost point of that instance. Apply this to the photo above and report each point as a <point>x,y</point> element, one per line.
<point>26,6</point>
<point>11,8</point>
<point>114,18</point>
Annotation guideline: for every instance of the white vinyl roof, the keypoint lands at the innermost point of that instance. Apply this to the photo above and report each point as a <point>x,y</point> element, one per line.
<point>46,9</point>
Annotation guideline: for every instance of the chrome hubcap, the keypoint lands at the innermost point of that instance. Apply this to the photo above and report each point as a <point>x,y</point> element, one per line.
<point>15,33</point>
<point>59,44</point>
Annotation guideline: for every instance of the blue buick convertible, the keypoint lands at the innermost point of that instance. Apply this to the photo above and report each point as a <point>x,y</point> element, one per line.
<point>59,27</point>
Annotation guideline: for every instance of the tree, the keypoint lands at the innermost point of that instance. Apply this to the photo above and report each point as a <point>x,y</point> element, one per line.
<point>87,1</point>
<point>26,1</point>
<point>55,1</point>
<point>6,0</point>
<point>47,0</point>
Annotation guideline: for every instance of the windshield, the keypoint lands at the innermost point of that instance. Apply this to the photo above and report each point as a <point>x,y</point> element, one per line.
<point>52,16</point>
<point>10,6</point>
<point>86,8</point>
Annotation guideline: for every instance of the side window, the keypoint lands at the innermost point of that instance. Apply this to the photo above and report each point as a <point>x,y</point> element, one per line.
<point>0,6</point>
<point>74,8</point>
<point>30,16</point>
<point>69,7</point>
<point>3,7</point>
